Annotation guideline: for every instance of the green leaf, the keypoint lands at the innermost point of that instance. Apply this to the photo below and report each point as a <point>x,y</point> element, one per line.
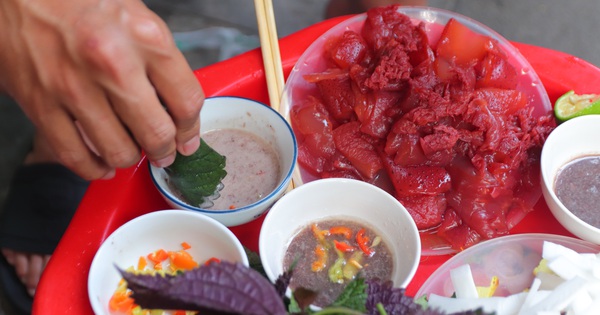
<point>354,295</point>
<point>254,261</point>
<point>197,176</point>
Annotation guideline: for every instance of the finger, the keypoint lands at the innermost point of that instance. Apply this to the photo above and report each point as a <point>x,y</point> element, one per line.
<point>9,255</point>
<point>183,98</point>
<point>46,260</point>
<point>120,69</point>
<point>174,82</point>
<point>36,267</point>
<point>21,265</point>
<point>69,147</point>
<point>102,131</point>
<point>149,123</point>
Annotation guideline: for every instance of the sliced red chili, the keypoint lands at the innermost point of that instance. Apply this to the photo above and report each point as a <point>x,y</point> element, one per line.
<point>363,243</point>
<point>343,246</point>
<point>212,260</point>
<point>341,230</point>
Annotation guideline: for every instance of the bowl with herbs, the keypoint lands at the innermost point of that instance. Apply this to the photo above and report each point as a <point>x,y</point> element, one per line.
<point>244,164</point>
<point>330,232</point>
<point>163,243</point>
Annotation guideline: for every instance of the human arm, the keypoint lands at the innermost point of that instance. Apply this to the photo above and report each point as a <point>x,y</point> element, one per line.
<point>96,70</point>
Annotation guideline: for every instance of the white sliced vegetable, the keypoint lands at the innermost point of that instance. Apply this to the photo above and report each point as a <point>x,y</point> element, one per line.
<point>549,281</point>
<point>551,251</point>
<point>569,285</point>
<point>499,305</point>
<point>581,303</point>
<point>530,297</point>
<point>560,297</point>
<point>462,280</point>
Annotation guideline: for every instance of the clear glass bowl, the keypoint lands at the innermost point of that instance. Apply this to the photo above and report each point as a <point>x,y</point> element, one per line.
<point>313,61</point>
<point>511,258</point>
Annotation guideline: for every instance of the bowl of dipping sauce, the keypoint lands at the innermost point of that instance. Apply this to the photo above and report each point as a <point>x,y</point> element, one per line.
<point>333,229</point>
<point>260,151</point>
<point>570,167</point>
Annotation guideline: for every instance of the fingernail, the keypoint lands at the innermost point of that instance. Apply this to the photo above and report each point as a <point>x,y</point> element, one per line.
<point>191,146</point>
<point>110,174</point>
<point>31,292</point>
<point>164,162</point>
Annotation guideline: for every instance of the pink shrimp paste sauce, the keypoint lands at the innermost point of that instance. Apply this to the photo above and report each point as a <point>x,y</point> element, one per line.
<point>252,166</point>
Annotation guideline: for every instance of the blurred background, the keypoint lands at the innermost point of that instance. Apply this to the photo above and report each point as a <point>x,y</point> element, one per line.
<point>208,31</point>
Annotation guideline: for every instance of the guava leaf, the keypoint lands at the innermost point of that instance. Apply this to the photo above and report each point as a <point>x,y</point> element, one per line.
<point>218,288</point>
<point>197,176</point>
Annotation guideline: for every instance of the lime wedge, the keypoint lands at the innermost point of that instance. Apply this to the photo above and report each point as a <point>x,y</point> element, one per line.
<point>571,105</point>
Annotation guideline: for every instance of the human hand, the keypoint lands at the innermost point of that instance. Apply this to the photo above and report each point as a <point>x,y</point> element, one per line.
<point>90,75</point>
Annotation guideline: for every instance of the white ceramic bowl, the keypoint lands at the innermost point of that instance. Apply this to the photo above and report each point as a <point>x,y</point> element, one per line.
<point>257,118</point>
<point>165,229</point>
<point>341,198</point>
<point>510,258</point>
<point>572,139</point>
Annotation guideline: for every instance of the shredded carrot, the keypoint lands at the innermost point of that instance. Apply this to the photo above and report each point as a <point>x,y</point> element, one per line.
<point>321,262</point>
<point>158,256</point>
<point>182,260</point>
<point>121,302</point>
<point>341,230</point>
<point>318,233</point>
<point>142,262</point>
<point>186,245</point>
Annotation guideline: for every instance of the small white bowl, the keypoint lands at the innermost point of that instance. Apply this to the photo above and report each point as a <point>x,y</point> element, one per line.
<point>165,229</point>
<point>345,199</point>
<point>245,114</point>
<point>572,139</point>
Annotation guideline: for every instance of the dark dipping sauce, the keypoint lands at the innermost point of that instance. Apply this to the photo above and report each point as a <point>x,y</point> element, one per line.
<point>303,251</point>
<point>578,188</point>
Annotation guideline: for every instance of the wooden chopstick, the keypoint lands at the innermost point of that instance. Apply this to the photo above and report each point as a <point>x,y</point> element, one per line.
<point>269,44</point>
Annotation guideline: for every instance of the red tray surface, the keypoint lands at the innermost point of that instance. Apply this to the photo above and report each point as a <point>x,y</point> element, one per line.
<point>110,203</point>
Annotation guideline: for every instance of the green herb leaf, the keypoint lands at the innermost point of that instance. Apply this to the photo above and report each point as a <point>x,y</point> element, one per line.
<point>197,176</point>
<point>354,295</point>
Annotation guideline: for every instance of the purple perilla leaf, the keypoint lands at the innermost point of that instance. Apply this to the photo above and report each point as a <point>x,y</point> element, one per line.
<point>227,288</point>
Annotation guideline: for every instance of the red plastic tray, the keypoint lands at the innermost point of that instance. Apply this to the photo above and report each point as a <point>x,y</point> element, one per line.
<point>110,203</point>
